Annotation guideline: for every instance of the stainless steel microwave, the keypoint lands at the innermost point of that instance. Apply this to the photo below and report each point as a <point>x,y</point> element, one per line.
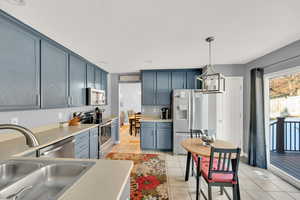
<point>95,97</point>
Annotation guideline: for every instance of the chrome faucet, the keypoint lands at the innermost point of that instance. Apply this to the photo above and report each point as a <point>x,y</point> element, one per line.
<point>31,140</point>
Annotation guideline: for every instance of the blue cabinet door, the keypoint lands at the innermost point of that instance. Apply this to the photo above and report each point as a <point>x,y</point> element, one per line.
<point>148,88</point>
<point>191,82</point>
<point>98,77</point>
<point>90,76</point>
<point>82,145</point>
<point>94,143</point>
<point>164,136</point>
<point>148,135</point>
<point>163,88</point>
<point>104,83</point>
<point>54,76</point>
<point>115,130</point>
<point>19,68</point>
<point>178,80</point>
<point>77,81</point>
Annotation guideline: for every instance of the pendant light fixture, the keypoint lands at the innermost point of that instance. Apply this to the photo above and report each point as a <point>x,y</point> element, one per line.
<point>212,82</point>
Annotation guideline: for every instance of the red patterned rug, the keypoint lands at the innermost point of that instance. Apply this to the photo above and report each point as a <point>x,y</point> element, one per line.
<point>148,177</point>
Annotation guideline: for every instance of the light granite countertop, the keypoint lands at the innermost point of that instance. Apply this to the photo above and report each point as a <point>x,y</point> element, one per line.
<point>105,180</point>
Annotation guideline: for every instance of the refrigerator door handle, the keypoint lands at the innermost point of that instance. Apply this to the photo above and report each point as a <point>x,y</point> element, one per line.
<point>189,112</point>
<point>193,110</point>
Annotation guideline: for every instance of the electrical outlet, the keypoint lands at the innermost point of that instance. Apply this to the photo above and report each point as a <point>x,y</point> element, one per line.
<point>60,116</point>
<point>14,120</point>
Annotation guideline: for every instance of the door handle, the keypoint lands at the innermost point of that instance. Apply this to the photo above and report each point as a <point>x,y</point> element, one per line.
<point>51,151</point>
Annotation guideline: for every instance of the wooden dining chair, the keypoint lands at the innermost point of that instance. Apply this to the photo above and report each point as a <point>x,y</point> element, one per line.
<point>137,124</point>
<point>221,171</point>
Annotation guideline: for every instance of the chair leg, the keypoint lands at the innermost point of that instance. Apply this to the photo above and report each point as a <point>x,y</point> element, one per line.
<point>192,168</point>
<point>235,192</point>
<point>209,192</point>
<point>198,179</point>
<point>197,186</point>
<point>222,190</point>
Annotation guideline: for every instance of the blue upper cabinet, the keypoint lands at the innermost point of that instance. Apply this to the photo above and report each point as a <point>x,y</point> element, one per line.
<point>163,88</point>
<point>179,80</point>
<point>148,87</point>
<point>98,77</point>
<point>104,83</point>
<point>54,76</point>
<point>20,68</point>
<point>90,76</point>
<point>77,81</point>
<point>191,82</point>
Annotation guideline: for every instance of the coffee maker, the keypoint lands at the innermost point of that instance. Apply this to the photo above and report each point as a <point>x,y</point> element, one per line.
<point>165,113</point>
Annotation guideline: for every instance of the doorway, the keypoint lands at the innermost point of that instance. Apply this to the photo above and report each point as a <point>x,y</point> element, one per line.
<point>130,102</point>
<point>229,111</point>
<point>282,123</point>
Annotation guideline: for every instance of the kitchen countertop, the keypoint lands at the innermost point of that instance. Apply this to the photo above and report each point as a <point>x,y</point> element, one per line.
<point>105,180</point>
<point>154,119</point>
<point>46,135</point>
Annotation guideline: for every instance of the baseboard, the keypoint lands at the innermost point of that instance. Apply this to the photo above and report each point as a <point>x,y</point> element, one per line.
<point>117,142</point>
<point>285,176</point>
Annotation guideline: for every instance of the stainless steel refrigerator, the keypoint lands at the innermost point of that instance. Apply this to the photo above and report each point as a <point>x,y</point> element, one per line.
<point>190,111</point>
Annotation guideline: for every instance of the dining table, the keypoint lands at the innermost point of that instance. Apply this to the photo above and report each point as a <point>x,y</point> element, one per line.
<point>197,146</point>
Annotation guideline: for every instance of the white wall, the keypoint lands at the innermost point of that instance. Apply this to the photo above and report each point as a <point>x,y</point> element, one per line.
<point>130,98</point>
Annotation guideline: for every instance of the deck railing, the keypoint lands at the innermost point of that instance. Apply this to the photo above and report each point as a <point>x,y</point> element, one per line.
<point>285,135</point>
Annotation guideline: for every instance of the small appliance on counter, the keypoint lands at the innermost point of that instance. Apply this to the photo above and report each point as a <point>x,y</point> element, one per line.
<point>165,113</point>
<point>91,117</point>
<point>95,97</point>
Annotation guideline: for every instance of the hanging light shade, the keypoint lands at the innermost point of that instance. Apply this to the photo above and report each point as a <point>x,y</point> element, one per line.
<point>211,81</point>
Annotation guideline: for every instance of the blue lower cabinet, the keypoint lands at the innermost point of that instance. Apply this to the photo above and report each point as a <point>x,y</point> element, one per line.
<point>82,145</point>
<point>115,130</point>
<point>148,140</point>
<point>94,143</point>
<point>156,136</point>
<point>164,139</point>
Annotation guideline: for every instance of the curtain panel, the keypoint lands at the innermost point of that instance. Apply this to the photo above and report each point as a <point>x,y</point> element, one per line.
<point>257,138</point>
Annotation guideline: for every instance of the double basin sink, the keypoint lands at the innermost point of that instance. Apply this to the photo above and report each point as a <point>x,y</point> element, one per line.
<point>39,179</point>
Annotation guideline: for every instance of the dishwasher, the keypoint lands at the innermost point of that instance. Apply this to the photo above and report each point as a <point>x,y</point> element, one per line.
<point>61,149</point>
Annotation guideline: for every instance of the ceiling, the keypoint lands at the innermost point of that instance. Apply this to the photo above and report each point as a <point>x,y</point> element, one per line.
<point>129,35</point>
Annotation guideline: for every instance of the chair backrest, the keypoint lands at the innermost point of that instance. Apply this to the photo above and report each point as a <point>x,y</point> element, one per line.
<point>195,133</point>
<point>227,162</point>
<point>130,112</point>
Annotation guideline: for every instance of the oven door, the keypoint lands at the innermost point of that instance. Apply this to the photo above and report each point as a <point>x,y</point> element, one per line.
<point>105,135</point>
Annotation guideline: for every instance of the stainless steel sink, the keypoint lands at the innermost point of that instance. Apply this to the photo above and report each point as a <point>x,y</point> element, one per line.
<point>46,183</point>
<point>11,171</point>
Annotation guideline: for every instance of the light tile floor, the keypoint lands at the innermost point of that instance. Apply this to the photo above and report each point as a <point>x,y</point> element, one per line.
<point>255,183</point>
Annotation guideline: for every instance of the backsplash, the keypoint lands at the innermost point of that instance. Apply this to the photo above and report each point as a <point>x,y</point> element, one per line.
<point>154,111</point>
<point>38,118</point>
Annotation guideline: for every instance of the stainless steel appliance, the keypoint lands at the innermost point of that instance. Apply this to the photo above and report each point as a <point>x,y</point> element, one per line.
<point>95,97</point>
<point>105,139</point>
<point>190,111</point>
<point>61,149</point>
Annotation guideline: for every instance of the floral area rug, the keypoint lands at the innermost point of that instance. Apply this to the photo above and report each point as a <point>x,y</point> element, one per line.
<point>148,177</point>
